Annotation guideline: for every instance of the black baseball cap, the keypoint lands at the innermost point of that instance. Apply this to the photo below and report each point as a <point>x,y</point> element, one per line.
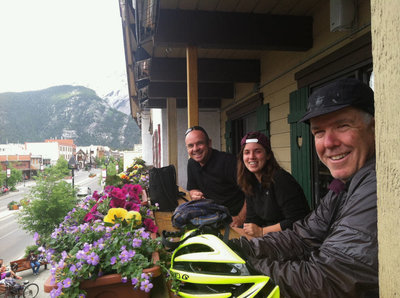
<point>338,95</point>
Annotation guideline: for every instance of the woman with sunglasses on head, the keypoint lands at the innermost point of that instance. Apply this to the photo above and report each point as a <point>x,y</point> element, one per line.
<point>274,199</point>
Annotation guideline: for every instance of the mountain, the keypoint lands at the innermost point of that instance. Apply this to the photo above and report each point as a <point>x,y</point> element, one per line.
<point>118,100</point>
<point>65,112</point>
<point>115,91</point>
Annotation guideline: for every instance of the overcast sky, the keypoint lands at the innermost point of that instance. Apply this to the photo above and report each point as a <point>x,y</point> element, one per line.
<point>45,43</point>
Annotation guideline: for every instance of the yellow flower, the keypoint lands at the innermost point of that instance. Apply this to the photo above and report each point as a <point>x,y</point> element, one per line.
<point>123,176</point>
<point>133,215</point>
<point>114,213</point>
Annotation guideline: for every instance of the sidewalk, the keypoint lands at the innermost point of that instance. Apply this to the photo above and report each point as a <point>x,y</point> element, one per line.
<point>38,279</point>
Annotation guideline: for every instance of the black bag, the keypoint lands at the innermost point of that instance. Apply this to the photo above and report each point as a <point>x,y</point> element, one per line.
<point>199,213</point>
<point>201,217</point>
<point>163,189</point>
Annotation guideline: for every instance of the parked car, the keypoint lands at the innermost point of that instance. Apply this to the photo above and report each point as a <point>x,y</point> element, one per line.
<point>83,191</point>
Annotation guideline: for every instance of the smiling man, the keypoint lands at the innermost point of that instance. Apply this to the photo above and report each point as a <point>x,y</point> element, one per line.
<point>212,174</point>
<point>333,252</point>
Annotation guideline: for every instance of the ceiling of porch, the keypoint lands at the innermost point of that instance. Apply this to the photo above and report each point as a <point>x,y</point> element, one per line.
<point>230,36</point>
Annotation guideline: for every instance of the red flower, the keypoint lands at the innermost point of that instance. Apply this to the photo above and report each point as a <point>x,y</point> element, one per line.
<point>150,226</point>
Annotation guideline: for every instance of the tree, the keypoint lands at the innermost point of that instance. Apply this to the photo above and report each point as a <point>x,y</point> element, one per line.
<point>15,177</point>
<point>2,178</point>
<point>51,200</point>
<point>59,170</point>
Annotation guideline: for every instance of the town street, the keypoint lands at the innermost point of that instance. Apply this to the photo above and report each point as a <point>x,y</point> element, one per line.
<point>13,239</point>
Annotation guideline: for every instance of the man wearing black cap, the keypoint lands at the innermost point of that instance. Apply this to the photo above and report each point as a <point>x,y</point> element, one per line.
<point>212,174</point>
<point>333,252</point>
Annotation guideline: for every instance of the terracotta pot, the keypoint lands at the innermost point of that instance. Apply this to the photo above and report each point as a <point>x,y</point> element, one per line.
<point>15,207</point>
<point>110,285</point>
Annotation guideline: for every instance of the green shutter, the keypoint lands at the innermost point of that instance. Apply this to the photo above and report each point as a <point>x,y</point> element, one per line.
<point>228,136</point>
<point>300,142</point>
<point>263,119</point>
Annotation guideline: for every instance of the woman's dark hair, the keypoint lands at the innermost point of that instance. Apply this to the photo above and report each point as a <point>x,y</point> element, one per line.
<point>246,179</point>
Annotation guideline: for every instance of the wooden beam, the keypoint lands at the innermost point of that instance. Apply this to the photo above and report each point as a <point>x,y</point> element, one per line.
<point>192,86</point>
<point>181,103</point>
<point>232,30</point>
<point>172,132</point>
<point>181,90</point>
<point>209,70</point>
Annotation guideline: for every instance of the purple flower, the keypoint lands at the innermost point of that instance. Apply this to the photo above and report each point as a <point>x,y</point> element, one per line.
<point>67,282</point>
<point>136,242</point>
<point>145,235</point>
<point>113,260</point>
<point>124,279</point>
<point>55,292</point>
<point>80,255</point>
<point>87,247</point>
<point>73,268</point>
<point>144,276</point>
<point>53,270</point>
<point>146,286</point>
<point>134,281</point>
<point>93,259</point>
<point>125,256</point>
<point>64,255</point>
<point>53,281</point>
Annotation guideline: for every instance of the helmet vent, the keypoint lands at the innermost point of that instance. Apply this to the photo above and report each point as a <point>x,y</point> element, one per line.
<point>193,248</point>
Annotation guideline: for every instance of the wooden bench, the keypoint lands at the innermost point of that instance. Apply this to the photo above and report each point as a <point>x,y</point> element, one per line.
<point>23,264</point>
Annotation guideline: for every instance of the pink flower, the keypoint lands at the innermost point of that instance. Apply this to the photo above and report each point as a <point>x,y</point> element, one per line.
<point>150,226</point>
<point>89,217</point>
<point>131,206</point>
<point>117,203</point>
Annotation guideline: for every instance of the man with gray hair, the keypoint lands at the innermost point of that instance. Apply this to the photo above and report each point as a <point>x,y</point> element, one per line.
<point>333,252</point>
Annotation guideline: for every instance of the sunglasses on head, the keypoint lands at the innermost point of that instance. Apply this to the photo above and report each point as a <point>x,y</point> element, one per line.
<point>195,128</point>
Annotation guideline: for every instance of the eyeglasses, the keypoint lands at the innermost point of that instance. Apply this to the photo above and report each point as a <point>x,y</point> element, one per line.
<point>196,128</point>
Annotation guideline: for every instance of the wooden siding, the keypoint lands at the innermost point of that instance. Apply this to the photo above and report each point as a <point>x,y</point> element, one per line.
<point>278,69</point>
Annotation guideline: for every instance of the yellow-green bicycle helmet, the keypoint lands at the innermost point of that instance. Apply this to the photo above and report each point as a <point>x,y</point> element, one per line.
<point>207,267</point>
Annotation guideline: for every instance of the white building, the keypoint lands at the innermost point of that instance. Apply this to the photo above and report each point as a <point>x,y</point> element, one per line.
<point>12,149</point>
<point>129,156</point>
<point>48,151</point>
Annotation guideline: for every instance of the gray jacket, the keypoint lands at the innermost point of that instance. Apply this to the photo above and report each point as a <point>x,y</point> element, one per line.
<point>333,252</point>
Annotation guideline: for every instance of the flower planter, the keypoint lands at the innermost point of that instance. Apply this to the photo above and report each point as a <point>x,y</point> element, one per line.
<point>110,285</point>
<point>15,207</point>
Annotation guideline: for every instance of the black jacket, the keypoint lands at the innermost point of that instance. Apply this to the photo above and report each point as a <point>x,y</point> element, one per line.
<point>283,202</point>
<point>217,180</point>
<point>333,252</point>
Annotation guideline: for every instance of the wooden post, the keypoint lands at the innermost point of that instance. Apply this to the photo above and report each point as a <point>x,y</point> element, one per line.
<point>192,86</point>
<point>172,132</point>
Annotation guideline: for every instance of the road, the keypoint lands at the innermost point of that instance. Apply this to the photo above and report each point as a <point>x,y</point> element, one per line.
<point>13,239</point>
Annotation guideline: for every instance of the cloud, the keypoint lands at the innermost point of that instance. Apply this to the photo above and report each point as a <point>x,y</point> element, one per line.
<point>55,42</point>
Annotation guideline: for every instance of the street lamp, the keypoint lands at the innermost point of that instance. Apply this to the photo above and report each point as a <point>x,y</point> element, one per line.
<point>104,172</point>
<point>72,166</point>
<point>106,162</point>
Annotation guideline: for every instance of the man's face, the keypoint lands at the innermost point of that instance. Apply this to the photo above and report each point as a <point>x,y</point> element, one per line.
<point>197,146</point>
<point>344,141</point>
